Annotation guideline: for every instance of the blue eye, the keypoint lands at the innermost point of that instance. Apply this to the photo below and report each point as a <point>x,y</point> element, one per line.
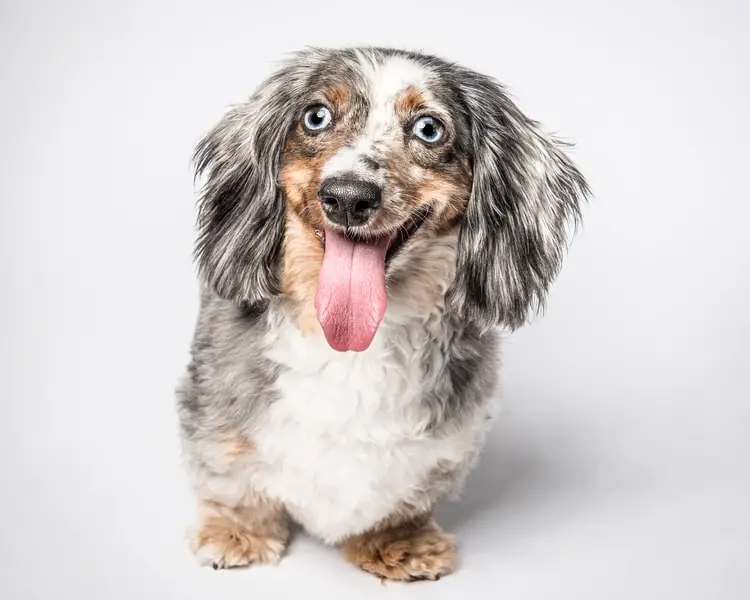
<point>428,129</point>
<point>317,118</point>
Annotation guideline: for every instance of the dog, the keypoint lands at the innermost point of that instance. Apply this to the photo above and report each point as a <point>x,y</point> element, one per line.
<point>369,220</point>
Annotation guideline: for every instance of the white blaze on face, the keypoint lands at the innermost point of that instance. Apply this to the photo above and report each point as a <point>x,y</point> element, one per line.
<point>385,81</point>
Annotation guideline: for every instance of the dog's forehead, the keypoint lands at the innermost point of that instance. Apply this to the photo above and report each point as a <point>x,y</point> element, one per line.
<point>391,77</point>
<point>375,80</point>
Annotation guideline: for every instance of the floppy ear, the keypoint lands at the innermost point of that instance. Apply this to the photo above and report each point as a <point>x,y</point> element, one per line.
<point>241,208</point>
<point>526,193</point>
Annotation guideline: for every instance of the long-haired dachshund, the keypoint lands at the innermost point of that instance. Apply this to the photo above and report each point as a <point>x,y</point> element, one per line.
<point>368,219</point>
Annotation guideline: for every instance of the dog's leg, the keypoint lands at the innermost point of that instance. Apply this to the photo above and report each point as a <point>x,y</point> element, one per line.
<point>413,550</point>
<point>238,536</point>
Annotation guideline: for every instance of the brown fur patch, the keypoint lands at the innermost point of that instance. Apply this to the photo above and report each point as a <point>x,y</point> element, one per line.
<point>238,536</point>
<point>300,179</point>
<point>410,101</point>
<point>445,186</point>
<point>450,190</point>
<point>234,446</point>
<point>303,256</point>
<point>338,96</point>
<point>408,551</point>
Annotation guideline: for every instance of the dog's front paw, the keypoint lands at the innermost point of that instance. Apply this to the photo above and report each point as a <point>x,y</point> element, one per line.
<point>222,544</point>
<point>403,553</point>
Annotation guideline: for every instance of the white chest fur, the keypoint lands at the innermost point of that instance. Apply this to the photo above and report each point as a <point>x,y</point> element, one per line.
<point>344,443</point>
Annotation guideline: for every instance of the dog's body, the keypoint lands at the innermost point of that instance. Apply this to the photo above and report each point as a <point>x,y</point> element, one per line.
<point>342,439</point>
<point>345,363</point>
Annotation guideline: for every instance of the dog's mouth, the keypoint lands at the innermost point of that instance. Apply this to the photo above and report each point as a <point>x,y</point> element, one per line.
<point>351,298</point>
<point>397,238</point>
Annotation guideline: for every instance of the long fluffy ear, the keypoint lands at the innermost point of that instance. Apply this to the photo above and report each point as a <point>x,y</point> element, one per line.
<point>241,208</point>
<point>526,194</point>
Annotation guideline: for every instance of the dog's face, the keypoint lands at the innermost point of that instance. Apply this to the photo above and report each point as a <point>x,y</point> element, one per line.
<point>378,152</point>
<point>346,159</point>
<point>376,158</point>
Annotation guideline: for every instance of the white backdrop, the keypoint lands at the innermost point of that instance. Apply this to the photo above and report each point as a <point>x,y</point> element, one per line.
<point>619,468</point>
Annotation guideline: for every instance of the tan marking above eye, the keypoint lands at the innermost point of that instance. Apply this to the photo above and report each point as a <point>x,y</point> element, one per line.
<point>338,96</point>
<point>410,101</point>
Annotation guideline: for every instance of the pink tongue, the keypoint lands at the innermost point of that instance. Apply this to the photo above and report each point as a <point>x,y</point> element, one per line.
<point>351,298</point>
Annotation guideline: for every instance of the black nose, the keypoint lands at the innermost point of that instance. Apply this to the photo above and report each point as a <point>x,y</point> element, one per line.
<point>349,201</point>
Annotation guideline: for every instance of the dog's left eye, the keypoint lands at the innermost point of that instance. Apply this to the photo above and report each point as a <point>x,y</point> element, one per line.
<point>317,118</point>
<point>428,129</point>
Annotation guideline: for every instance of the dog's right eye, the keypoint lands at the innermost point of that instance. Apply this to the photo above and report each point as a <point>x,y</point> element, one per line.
<point>317,118</point>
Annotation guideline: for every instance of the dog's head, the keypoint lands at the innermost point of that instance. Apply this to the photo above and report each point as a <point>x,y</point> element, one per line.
<point>345,161</point>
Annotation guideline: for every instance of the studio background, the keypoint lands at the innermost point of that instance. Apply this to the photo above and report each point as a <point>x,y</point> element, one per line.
<point>619,466</point>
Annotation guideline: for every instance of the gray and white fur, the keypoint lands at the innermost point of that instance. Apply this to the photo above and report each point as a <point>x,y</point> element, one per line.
<point>343,441</point>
